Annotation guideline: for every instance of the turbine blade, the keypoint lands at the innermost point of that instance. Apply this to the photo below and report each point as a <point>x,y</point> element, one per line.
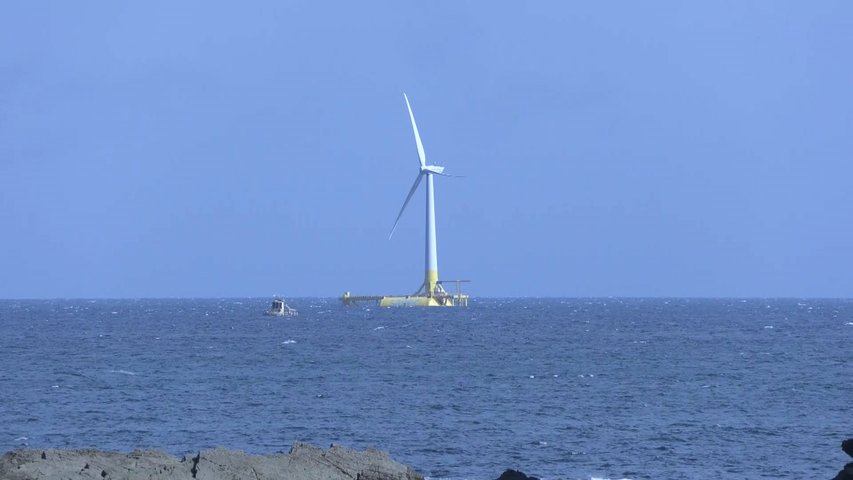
<point>421,154</point>
<point>409,197</point>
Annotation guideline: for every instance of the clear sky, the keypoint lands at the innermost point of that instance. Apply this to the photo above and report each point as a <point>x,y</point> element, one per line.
<point>209,149</point>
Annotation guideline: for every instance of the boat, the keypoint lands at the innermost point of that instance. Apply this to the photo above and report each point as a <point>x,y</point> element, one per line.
<point>281,309</point>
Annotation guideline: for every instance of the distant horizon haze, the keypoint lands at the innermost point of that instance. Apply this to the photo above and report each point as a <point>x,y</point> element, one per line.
<point>367,303</point>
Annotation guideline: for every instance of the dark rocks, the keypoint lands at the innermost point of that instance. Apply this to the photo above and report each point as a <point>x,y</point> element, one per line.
<point>304,462</point>
<point>847,472</point>
<point>515,475</point>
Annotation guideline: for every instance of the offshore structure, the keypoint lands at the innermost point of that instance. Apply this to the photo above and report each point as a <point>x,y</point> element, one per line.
<point>431,292</point>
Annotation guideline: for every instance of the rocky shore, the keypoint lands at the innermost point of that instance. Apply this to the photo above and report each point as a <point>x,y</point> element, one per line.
<point>846,473</point>
<point>303,462</point>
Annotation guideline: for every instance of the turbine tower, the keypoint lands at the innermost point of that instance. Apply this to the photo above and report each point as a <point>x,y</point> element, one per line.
<point>431,286</point>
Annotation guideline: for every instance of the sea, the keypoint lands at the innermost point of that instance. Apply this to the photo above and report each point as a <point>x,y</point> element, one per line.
<point>574,388</point>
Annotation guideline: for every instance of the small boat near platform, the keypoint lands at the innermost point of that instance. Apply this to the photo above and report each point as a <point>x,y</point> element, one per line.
<point>281,309</point>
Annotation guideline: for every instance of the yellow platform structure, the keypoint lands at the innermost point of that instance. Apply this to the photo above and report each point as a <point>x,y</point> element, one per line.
<point>439,298</point>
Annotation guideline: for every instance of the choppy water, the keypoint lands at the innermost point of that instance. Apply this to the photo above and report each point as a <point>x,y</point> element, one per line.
<point>573,388</point>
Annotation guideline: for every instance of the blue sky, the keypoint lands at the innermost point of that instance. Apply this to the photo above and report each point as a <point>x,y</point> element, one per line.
<point>206,149</point>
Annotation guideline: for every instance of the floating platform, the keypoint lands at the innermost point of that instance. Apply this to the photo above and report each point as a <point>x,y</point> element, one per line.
<point>444,300</point>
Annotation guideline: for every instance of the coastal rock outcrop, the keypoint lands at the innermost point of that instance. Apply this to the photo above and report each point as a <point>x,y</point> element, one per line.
<point>847,446</point>
<point>515,475</point>
<point>846,473</point>
<point>303,462</point>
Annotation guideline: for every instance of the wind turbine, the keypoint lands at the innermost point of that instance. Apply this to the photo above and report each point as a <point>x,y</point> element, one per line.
<point>431,293</point>
<point>431,286</point>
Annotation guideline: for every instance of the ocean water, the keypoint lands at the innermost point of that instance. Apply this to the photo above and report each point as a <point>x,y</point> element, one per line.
<point>558,388</point>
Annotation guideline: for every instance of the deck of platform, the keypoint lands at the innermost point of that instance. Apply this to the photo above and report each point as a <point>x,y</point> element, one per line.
<point>347,299</point>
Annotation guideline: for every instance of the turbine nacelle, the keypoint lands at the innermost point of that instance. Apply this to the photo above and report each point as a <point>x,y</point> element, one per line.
<point>432,169</point>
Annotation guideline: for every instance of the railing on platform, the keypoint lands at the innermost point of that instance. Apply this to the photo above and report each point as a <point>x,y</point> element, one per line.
<point>459,299</point>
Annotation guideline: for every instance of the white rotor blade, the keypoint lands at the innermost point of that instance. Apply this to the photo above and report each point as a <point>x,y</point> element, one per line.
<point>421,154</point>
<point>409,197</point>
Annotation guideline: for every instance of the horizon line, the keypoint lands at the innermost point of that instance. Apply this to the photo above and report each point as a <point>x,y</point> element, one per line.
<point>487,297</point>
